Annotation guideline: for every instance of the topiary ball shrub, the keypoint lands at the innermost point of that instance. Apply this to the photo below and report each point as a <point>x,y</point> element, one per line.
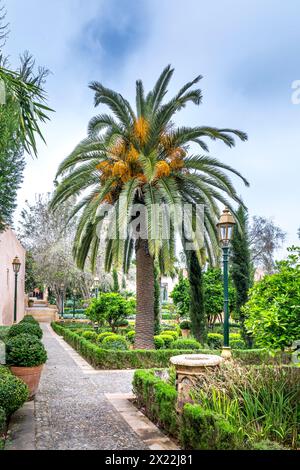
<point>131,336</point>
<point>215,340</point>
<point>25,328</point>
<point>159,342</point>
<point>25,351</point>
<point>13,393</point>
<point>185,344</point>
<point>115,342</point>
<point>168,340</point>
<point>104,335</point>
<point>185,325</point>
<point>172,333</point>
<point>29,319</point>
<point>90,336</point>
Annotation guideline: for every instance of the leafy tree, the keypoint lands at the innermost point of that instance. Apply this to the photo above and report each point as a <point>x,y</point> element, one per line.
<point>273,310</point>
<point>109,308</point>
<point>141,157</point>
<point>197,303</point>
<point>181,296</point>
<point>214,294</point>
<point>44,235</point>
<point>241,269</point>
<point>265,238</point>
<point>22,108</point>
<point>31,277</point>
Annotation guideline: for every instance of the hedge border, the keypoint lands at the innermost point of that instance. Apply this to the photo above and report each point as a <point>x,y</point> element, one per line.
<point>143,359</point>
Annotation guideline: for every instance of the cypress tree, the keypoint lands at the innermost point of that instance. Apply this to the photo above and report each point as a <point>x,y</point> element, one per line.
<point>197,309</point>
<point>241,269</point>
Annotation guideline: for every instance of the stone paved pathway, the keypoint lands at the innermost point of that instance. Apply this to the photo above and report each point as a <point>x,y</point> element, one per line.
<point>71,410</point>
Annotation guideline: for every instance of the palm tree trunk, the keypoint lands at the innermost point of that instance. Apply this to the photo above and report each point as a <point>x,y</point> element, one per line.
<point>145,297</point>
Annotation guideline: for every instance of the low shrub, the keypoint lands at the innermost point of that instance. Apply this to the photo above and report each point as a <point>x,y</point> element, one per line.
<point>13,393</point>
<point>25,351</point>
<point>2,425</point>
<point>114,359</point>
<point>25,328</point>
<point>115,342</point>
<point>3,332</point>
<point>29,319</point>
<point>104,335</point>
<point>172,333</point>
<point>167,339</point>
<point>186,344</point>
<point>130,336</point>
<point>159,342</point>
<point>158,398</point>
<point>141,359</point>
<point>237,343</point>
<point>215,340</point>
<point>205,430</point>
<point>122,323</point>
<point>267,445</point>
<point>90,335</point>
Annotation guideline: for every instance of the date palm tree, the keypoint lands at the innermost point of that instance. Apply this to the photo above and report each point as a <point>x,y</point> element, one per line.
<point>141,157</point>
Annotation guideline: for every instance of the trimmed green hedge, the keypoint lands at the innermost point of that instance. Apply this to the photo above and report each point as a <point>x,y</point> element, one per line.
<point>205,430</point>
<point>144,359</point>
<point>195,428</point>
<point>113,359</point>
<point>158,398</point>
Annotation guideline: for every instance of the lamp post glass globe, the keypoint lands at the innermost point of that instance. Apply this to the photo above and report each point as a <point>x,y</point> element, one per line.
<point>225,227</point>
<point>16,265</point>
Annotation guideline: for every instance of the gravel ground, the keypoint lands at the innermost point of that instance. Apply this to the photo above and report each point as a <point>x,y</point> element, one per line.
<point>71,410</point>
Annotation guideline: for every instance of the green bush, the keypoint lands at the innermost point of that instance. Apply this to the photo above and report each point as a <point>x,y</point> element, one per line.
<point>104,335</point>
<point>237,343</point>
<point>205,430</point>
<point>25,351</point>
<point>29,319</point>
<point>90,335</point>
<point>167,339</point>
<point>159,342</point>
<point>185,325</point>
<point>172,333</point>
<point>158,398</point>
<point>141,359</point>
<point>2,424</point>
<point>273,310</point>
<point>115,342</point>
<point>25,328</point>
<point>215,340</point>
<point>122,323</point>
<point>131,336</point>
<point>186,344</point>
<point>3,332</point>
<point>113,359</point>
<point>267,445</point>
<point>13,393</point>
<point>109,308</point>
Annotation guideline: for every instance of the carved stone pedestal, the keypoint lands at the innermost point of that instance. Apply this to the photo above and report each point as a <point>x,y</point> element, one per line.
<point>188,369</point>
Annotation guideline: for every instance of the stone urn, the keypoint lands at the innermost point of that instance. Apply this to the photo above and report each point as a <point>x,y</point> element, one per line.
<point>185,333</point>
<point>31,376</point>
<point>189,368</point>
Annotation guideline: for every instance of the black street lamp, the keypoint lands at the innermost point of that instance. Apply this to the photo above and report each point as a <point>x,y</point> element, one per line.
<point>62,291</point>
<point>225,230</point>
<point>16,267</point>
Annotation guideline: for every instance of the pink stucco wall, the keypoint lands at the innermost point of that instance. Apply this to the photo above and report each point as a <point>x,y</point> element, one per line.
<point>9,248</point>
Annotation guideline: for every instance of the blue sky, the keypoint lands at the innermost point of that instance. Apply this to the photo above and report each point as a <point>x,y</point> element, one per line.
<point>247,51</point>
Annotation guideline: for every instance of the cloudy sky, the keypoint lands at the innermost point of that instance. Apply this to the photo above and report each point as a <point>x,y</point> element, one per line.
<point>246,50</point>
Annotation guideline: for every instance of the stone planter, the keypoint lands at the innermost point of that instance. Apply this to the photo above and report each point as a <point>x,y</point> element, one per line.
<point>30,375</point>
<point>30,303</point>
<point>185,333</point>
<point>189,369</point>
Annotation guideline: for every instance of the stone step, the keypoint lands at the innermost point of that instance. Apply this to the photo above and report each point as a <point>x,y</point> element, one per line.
<point>43,314</point>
